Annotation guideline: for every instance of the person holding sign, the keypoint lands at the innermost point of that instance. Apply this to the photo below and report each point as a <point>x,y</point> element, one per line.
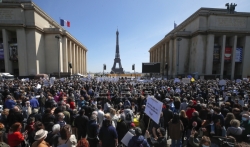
<point>138,140</point>
<point>161,139</point>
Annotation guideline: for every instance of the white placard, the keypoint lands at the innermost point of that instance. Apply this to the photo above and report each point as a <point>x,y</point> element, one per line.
<point>176,80</point>
<point>52,80</point>
<point>222,82</point>
<point>186,80</point>
<point>38,86</point>
<point>125,140</point>
<point>62,79</point>
<point>153,109</point>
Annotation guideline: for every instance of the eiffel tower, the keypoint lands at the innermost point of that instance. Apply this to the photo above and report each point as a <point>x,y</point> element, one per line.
<point>117,59</point>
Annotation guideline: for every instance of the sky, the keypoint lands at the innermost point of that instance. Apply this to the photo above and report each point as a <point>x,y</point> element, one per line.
<point>141,24</point>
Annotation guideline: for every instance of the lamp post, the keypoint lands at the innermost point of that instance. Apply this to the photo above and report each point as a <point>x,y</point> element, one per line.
<point>59,63</point>
<point>178,55</point>
<point>166,67</point>
<point>133,68</point>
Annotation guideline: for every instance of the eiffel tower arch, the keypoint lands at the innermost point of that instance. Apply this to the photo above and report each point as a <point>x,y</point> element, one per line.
<point>117,70</point>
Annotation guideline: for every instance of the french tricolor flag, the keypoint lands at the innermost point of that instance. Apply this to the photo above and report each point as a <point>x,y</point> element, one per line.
<point>64,23</point>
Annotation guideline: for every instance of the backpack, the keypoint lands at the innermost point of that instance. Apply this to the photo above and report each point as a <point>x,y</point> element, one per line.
<point>128,116</point>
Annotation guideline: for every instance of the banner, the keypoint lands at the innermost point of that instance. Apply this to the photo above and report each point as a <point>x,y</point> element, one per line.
<point>228,54</point>
<point>222,82</point>
<point>153,109</point>
<point>1,52</point>
<point>186,80</point>
<point>216,56</point>
<point>238,55</point>
<point>176,80</point>
<point>13,52</point>
<point>125,140</point>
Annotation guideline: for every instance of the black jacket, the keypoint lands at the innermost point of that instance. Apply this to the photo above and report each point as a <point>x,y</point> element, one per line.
<point>160,142</point>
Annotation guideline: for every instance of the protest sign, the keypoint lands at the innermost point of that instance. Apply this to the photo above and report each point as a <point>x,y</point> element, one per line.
<point>153,109</point>
<point>186,80</point>
<point>125,140</point>
<point>38,86</point>
<point>176,80</point>
<point>222,82</point>
<point>52,80</point>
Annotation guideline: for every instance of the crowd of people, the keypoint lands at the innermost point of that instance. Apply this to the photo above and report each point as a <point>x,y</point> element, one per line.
<point>92,113</point>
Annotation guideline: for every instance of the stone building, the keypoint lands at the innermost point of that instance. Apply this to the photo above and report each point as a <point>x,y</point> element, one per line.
<point>28,43</point>
<point>209,42</point>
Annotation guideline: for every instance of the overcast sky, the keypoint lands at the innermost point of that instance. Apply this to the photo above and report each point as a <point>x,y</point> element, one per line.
<point>141,24</point>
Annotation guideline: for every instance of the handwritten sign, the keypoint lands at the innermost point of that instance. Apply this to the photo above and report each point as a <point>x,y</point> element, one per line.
<point>125,140</point>
<point>153,109</point>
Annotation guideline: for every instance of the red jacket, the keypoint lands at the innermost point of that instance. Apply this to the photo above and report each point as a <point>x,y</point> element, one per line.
<point>15,139</point>
<point>189,113</point>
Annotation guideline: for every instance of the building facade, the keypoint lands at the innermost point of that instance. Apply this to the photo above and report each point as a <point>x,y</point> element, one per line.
<point>31,42</point>
<point>209,42</point>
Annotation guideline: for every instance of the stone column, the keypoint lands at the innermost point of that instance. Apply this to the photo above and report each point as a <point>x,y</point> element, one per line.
<point>77,59</point>
<point>84,60</point>
<point>245,59</point>
<point>70,55</point>
<point>170,64</point>
<point>209,54</point>
<point>7,62</point>
<point>22,52</point>
<point>234,41</point>
<point>86,67</point>
<point>74,58</point>
<point>223,45</point>
<point>65,54</point>
<point>80,60</point>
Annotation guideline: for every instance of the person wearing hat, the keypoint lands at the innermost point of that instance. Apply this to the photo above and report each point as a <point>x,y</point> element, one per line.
<point>138,139</point>
<point>40,139</point>
<point>161,139</point>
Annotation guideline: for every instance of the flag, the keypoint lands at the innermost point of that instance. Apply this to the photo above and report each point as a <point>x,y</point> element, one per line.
<point>175,25</point>
<point>192,80</point>
<point>64,23</point>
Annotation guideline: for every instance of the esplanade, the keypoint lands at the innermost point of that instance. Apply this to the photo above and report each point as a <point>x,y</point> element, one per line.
<point>31,42</point>
<point>209,42</point>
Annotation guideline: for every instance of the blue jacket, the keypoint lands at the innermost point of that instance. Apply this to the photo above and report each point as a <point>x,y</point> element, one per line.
<point>9,104</point>
<point>136,141</point>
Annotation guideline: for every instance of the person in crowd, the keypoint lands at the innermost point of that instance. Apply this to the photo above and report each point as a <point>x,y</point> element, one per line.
<point>15,137</point>
<point>138,140</point>
<point>81,123</point>
<point>4,116</point>
<point>108,134</point>
<point>131,129</point>
<point>161,140</point>
<point>128,115</point>
<point>30,127</point>
<point>204,142</point>
<point>228,118</point>
<point>168,115</point>
<point>184,105</point>
<point>14,116</point>
<point>245,126</point>
<point>2,143</point>
<point>9,103</point>
<point>218,123</point>
<point>36,115</point>
<point>155,126</point>
<point>114,116</point>
<point>52,137</point>
<point>184,120</point>
<point>40,137</point>
<point>134,108</point>
<point>34,102</point>
<point>93,131</point>
<point>66,114</point>
<point>235,129</point>
<point>122,128</point>
<point>66,137</point>
<point>37,126</point>
<point>177,104</point>
<point>42,101</point>
<point>26,110</point>
<point>190,110</point>
<point>48,119</point>
<point>176,136</point>
<point>83,143</point>
<point>100,115</point>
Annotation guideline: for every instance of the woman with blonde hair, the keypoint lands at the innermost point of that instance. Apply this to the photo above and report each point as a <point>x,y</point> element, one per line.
<point>184,120</point>
<point>114,116</point>
<point>235,130</point>
<point>67,137</point>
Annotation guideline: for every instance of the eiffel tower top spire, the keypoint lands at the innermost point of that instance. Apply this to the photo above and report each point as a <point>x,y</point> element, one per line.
<point>117,53</point>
